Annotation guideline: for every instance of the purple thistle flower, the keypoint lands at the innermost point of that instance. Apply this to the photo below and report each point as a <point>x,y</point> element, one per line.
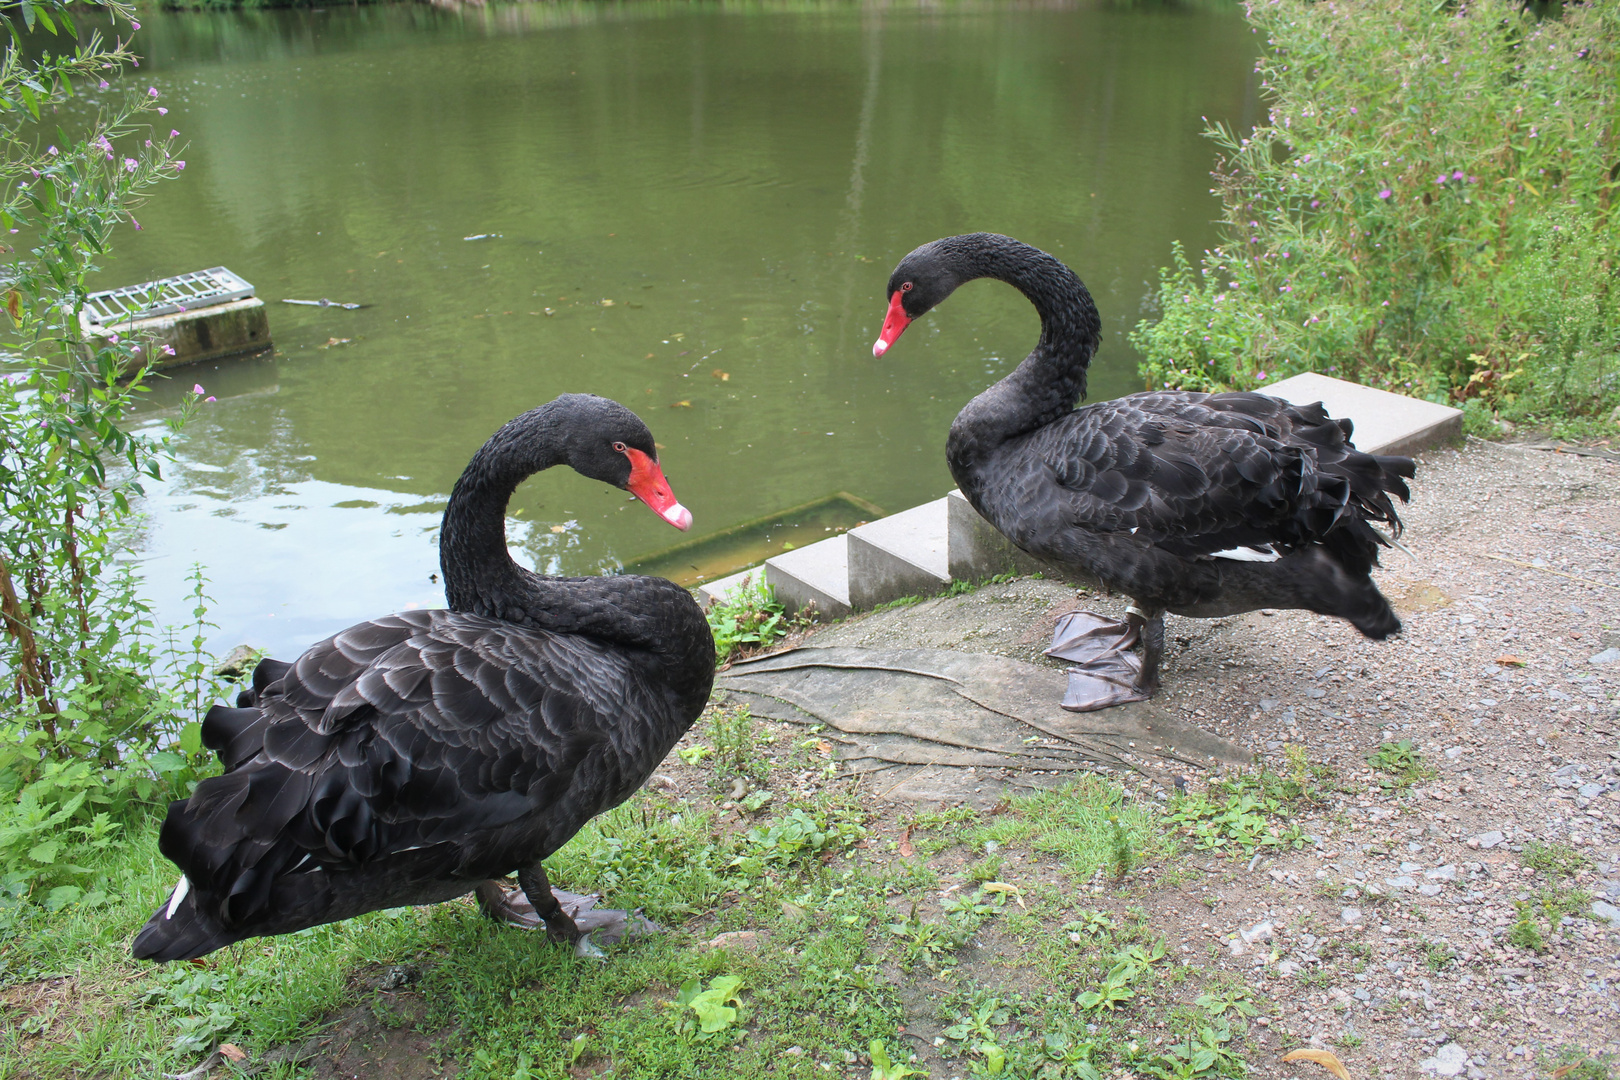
<point>1458,175</point>
<point>1386,193</point>
<point>1441,178</point>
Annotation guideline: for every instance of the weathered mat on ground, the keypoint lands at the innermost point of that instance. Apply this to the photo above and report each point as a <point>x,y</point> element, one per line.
<point>935,724</point>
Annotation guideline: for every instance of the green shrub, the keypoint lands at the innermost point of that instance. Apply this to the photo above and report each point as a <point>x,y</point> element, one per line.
<point>1434,217</point>
<point>80,715</point>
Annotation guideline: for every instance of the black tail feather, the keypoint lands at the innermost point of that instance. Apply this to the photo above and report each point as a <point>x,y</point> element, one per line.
<point>189,933</point>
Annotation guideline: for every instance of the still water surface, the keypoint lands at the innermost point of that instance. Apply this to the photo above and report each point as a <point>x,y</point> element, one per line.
<point>690,208</point>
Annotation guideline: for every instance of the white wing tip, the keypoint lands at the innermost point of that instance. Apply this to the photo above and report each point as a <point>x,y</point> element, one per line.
<point>1246,554</point>
<point>181,888</point>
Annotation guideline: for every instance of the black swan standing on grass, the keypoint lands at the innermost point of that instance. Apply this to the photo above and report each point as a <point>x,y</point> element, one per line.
<point>1198,504</point>
<point>414,757</point>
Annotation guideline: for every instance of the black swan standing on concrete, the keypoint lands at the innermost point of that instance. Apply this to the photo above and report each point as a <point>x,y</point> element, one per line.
<point>1198,504</point>
<point>412,758</point>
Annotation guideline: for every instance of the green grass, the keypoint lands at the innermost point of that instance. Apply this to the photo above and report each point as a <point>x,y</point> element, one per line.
<point>846,925</point>
<point>1073,825</point>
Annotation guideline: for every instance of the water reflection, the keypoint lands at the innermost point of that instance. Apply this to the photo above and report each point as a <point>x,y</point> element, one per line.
<point>690,208</point>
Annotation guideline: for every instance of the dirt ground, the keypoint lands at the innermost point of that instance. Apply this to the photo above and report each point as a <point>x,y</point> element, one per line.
<point>1504,680</point>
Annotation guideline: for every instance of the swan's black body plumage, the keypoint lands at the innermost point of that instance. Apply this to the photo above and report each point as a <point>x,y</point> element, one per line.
<point>1199,504</point>
<point>409,758</point>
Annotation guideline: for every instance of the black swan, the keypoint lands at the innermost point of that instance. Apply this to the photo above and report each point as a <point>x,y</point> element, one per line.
<point>1198,504</point>
<point>412,758</point>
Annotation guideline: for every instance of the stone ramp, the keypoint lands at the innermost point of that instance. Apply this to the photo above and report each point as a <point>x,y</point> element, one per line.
<point>938,724</point>
<point>921,551</point>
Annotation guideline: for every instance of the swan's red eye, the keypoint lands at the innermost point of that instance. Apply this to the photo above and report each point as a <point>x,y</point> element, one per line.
<point>619,446</point>
<point>906,287</point>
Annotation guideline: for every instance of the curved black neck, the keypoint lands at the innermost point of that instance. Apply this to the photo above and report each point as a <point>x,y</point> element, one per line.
<point>1052,378</point>
<point>481,578</point>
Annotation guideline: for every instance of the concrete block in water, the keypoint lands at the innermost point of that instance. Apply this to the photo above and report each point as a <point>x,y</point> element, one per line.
<point>209,333</point>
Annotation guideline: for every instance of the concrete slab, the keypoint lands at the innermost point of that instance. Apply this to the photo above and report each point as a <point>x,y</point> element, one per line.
<point>1385,423</point>
<point>903,554</point>
<point>816,574</point>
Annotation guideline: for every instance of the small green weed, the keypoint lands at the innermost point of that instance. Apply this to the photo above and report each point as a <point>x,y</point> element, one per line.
<point>1235,998</point>
<point>1437,954</point>
<point>1524,933</point>
<point>749,618</point>
<point>1554,859</point>
<point>1129,965</point>
<point>1574,1063</point>
<point>736,746</point>
<point>962,587</point>
<point>793,838</point>
<point>883,1068</point>
<point>1401,765</point>
<point>712,1010</point>
<point>1239,822</point>
<point>1203,1053</point>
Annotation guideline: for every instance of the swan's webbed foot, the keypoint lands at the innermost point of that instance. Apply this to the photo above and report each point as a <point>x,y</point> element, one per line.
<point>567,917</point>
<point>1108,673</point>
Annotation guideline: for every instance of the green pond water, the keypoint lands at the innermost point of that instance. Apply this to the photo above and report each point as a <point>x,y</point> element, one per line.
<point>690,208</point>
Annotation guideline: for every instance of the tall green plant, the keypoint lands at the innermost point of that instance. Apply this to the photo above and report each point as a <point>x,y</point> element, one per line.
<point>1429,206</point>
<point>76,642</point>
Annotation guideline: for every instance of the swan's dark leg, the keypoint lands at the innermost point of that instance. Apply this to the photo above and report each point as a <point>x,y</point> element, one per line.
<point>559,927</point>
<point>566,916</point>
<point>1151,629</point>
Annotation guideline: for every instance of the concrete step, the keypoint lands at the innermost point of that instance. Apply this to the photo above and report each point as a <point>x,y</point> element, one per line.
<point>816,574</point>
<point>1385,423</point>
<point>720,588</point>
<point>904,554</point>
<point>977,549</point>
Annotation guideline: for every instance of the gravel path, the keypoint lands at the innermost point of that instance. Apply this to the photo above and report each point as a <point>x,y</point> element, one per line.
<point>1389,938</point>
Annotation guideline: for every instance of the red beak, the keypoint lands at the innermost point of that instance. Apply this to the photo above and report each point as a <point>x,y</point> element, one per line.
<point>647,483</point>
<point>893,326</point>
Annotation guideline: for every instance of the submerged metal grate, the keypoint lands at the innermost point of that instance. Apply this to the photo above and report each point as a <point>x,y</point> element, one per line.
<point>183,292</point>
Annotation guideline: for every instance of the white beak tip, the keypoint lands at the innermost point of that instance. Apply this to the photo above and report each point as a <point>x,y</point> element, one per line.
<point>879,347</point>
<point>679,516</point>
